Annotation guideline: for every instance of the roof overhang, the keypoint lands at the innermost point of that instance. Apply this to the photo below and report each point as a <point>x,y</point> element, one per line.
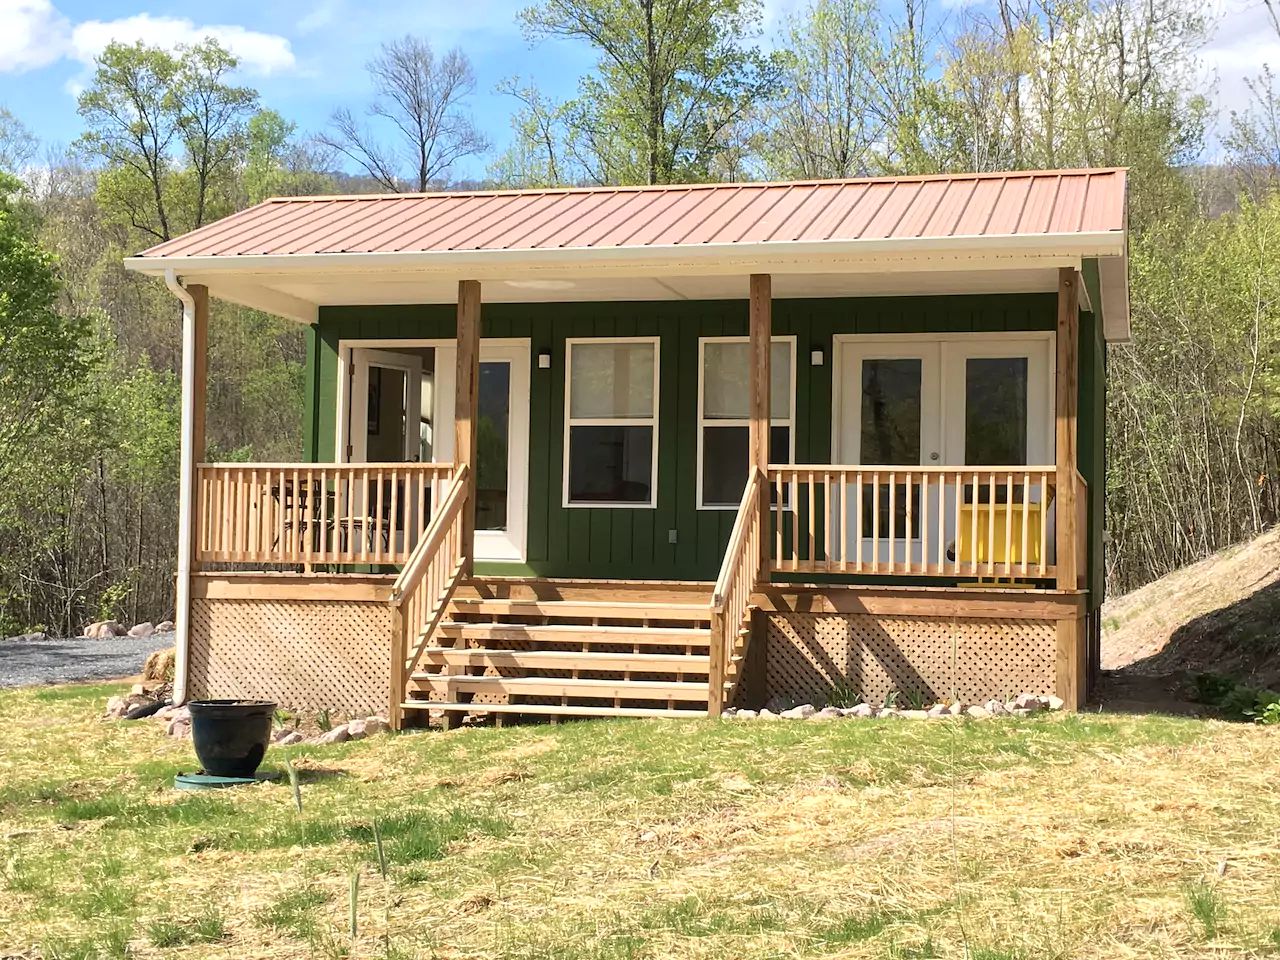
<point>297,285</point>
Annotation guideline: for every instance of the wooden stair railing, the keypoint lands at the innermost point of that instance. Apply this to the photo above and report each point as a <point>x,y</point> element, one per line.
<point>740,576</point>
<point>422,592</point>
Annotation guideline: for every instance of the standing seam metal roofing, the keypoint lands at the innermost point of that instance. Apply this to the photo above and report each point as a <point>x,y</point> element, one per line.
<point>961,205</point>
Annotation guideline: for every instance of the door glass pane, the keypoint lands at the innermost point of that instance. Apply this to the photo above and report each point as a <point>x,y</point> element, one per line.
<point>891,411</point>
<point>492,436</point>
<point>611,380</point>
<point>727,375</point>
<point>386,426</point>
<point>995,411</point>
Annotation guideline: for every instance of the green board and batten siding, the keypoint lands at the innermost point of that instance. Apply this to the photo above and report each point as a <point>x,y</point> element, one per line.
<point>633,543</point>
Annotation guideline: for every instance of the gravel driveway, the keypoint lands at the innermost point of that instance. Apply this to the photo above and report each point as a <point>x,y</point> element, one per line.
<point>27,662</point>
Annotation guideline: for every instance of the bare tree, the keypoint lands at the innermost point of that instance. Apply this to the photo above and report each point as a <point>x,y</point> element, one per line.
<point>422,98</point>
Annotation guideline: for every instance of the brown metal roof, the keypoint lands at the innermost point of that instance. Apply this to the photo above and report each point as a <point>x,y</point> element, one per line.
<point>959,205</point>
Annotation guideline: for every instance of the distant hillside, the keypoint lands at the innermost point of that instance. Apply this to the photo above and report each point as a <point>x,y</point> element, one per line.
<point>1220,615</point>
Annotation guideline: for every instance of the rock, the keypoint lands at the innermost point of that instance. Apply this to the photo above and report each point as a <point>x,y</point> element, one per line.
<point>159,666</point>
<point>30,637</point>
<point>182,713</point>
<point>1022,712</point>
<point>1029,701</point>
<point>104,630</point>
<point>914,714</point>
<point>357,730</point>
<point>729,714</point>
<point>142,630</point>
<point>887,713</point>
<point>178,727</point>
<point>767,714</point>
<point>939,710</point>
<point>777,704</point>
<point>958,709</point>
<point>281,733</point>
<point>289,739</point>
<point>117,707</point>
<point>164,626</point>
<point>862,711</point>
<point>802,712</point>
<point>338,734</point>
<point>648,836</point>
<point>745,715</point>
<point>376,725</point>
<point>995,708</point>
<point>978,713</point>
<point>1054,703</point>
<point>828,713</point>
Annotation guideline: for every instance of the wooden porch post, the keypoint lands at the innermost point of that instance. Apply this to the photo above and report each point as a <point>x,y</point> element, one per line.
<point>466,400</point>
<point>760,393</point>
<point>1070,679</point>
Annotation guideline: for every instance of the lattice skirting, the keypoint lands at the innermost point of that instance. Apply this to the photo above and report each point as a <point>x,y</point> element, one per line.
<point>970,659</point>
<point>304,654</point>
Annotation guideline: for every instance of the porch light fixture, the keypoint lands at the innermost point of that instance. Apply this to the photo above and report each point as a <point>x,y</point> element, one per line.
<point>815,357</point>
<point>544,360</point>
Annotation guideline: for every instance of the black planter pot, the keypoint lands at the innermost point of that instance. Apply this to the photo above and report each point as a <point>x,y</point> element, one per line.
<point>231,736</point>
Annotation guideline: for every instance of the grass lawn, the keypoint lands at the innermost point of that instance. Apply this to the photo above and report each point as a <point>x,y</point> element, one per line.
<point>1056,836</point>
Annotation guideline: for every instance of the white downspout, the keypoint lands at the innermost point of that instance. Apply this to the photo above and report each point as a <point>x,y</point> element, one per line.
<point>186,485</point>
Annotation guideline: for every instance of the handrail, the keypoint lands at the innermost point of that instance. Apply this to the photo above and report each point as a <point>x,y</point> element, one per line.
<point>422,591</point>
<point>740,575</point>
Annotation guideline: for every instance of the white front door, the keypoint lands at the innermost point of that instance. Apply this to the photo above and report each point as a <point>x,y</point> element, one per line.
<point>888,403</point>
<point>386,406</point>
<point>502,443</point>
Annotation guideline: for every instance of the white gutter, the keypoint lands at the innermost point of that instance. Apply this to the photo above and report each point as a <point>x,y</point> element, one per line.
<point>186,485</point>
<point>1101,243</point>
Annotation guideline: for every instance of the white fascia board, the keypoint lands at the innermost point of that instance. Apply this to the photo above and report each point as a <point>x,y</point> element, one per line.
<point>1113,287</point>
<point>778,256</point>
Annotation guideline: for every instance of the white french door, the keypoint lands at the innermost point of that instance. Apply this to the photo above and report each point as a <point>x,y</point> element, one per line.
<point>386,404</point>
<point>916,400</point>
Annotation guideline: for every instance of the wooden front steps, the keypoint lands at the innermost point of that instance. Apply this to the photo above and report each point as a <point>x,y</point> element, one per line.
<point>567,648</point>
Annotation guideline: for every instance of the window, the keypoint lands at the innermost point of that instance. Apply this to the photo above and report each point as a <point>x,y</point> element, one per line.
<point>724,415</point>
<point>611,427</point>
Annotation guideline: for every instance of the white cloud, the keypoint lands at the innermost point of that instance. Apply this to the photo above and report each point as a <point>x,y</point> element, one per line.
<point>1244,41</point>
<point>32,34</point>
<point>260,53</point>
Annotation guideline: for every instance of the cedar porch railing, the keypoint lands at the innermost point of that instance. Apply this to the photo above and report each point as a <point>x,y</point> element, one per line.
<point>932,521</point>
<point>422,591</point>
<point>314,513</point>
<point>741,574</point>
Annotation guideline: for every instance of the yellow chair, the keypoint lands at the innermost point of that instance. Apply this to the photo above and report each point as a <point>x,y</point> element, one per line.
<point>983,550</point>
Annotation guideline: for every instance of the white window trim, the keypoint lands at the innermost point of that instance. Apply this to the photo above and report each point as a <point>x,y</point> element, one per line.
<point>571,421</point>
<point>789,421</point>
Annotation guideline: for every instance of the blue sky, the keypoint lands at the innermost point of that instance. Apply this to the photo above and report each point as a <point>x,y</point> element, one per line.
<point>306,56</point>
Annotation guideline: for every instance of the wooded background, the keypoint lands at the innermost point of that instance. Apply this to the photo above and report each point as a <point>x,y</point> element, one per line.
<point>683,90</point>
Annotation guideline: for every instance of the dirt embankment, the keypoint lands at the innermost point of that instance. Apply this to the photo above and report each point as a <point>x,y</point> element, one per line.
<point>1221,615</point>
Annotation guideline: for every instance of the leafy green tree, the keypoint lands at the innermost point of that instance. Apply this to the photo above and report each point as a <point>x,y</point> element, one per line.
<point>277,164</point>
<point>171,132</point>
<point>673,80</point>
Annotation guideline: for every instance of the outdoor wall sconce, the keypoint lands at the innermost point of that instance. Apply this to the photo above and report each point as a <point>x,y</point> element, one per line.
<point>815,357</point>
<point>544,360</point>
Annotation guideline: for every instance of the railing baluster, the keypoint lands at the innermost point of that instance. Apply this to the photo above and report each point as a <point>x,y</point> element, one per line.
<point>906,544</point>
<point>844,521</point>
<point>991,524</point>
<point>1026,520</point>
<point>857,541</point>
<point>875,522</point>
<point>1008,525</point>
<point>924,523</point>
<point>1044,521</point>
<point>826,509</point>
<point>893,520</point>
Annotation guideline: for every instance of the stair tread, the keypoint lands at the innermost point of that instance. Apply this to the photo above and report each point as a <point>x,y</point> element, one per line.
<point>554,709</point>
<point>538,656</point>
<point>583,683</point>
<point>607,630</point>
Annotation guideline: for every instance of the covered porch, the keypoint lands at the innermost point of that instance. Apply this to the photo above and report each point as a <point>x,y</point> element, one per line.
<point>478,541</point>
